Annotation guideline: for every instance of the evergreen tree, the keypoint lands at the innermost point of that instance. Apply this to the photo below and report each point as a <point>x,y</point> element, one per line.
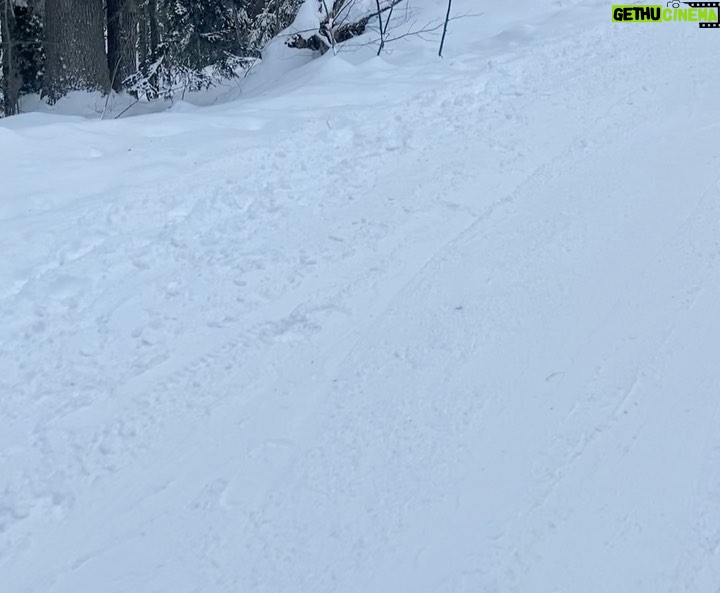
<point>267,20</point>
<point>122,40</point>
<point>201,40</point>
<point>30,51</point>
<point>75,47</point>
<point>10,77</point>
<point>21,52</point>
<point>152,47</point>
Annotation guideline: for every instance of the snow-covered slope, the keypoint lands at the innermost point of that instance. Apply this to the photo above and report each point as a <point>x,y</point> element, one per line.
<point>381,325</point>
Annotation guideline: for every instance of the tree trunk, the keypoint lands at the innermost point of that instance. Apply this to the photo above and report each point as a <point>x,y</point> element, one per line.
<point>11,82</point>
<point>75,42</point>
<point>143,37</point>
<point>153,24</point>
<point>121,41</point>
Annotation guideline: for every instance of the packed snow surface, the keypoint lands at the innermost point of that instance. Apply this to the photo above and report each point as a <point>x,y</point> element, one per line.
<point>379,325</point>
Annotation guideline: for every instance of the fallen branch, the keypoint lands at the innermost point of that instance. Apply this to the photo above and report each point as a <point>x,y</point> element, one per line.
<point>333,30</point>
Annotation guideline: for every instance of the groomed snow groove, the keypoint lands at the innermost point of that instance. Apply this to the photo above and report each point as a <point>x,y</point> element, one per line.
<point>404,326</point>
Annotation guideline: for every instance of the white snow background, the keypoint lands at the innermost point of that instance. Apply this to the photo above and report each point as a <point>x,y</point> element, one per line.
<point>370,324</point>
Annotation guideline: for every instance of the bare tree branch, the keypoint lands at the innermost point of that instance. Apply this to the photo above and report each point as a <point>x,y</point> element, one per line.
<point>445,28</point>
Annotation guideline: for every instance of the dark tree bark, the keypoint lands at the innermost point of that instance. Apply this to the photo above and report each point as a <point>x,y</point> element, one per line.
<point>153,25</point>
<point>143,37</point>
<point>75,46</point>
<point>11,82</point>
<point>121,40</point>
<point>22,54</point>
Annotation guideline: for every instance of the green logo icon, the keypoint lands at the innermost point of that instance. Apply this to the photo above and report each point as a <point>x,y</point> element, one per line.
<point>703,13</point>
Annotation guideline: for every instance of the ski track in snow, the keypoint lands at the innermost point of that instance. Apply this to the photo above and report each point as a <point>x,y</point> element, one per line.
<point>465,343</point>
